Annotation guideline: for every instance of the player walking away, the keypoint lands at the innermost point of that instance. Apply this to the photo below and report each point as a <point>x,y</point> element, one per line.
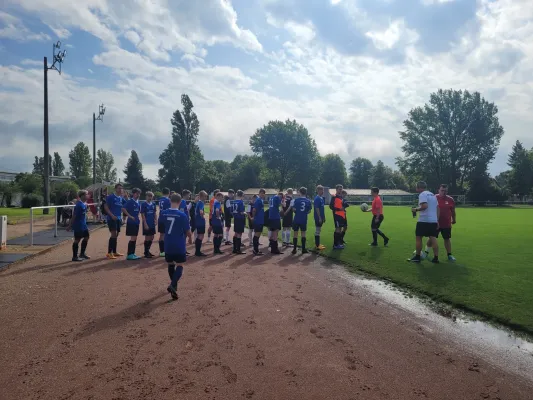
<point>164,204</point>
<point>228,215</point>
<point>377,218</point>
<point>427,225</point>
<point>274,222</point>
<point>249,210</point>
<point>192,215</point>
<point>215,192</point>
<point>113,208</point>
<point>200,223</point>
<point>132,209</point>
<point>258,219</point>
<point>184,207</point>
<point>287,218</point>
<point>302,207</point>
<point>177,228</point>
<point>339,217</point>
<point>446,220</point>
<point>239,219</point>
<point>217,224</point>
<point>266,224</point>
<point>345,204</point>
<point>78,223</point>
<point>148,212</point>
<point>320,216</point>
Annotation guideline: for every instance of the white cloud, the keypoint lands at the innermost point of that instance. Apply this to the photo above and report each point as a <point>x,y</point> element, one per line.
<point>433,2</point>
<point>12,28</point>
<point>395,33</point>
<point>90,71</point>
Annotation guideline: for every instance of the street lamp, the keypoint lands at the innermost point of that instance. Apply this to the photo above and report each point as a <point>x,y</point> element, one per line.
<point>59,56</point>
<point>101,112</point>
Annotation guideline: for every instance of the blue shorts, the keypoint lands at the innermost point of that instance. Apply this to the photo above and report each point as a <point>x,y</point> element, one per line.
<point>175,258</point>
<point>296,226</point>
<point>200,229</point>
<point>238,225</point>
<point>114,225</point>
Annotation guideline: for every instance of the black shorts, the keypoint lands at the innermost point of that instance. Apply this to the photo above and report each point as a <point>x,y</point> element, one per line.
<point>81,234</point>
<point>177,258</point>
<point>149,232</point>
<point>227,222</point>
<point>445,232</point>
<point>299,227</point>
<point>340,222</point>
<point>238,225</point>
<point>258,228</point>
<point>426,229</point>
<point>287,220</point>
<point>114,225</point>
<point>200,229</point>
<point>160,227</point>
<point>274,225</point>
<point>375,225</point>
<point>132,230</point>
<point>218,229</point>
<point>210,222</point>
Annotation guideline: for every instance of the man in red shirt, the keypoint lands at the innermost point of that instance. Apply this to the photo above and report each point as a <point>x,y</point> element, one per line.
<point>377,218</point>
<point>446,219</point>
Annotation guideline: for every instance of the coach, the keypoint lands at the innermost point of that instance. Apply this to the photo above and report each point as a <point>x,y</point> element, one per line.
<point>427,225</point>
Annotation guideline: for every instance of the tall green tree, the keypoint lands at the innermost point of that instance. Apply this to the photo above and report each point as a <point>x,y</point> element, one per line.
<point>289,152</point>
<point>182,160</point>
<point>521,175</point>
<point>448,138</point>
<point>80,161</point>
<point>246,172</point>
<point>211,178</point>
<point>58,168</point>
<point>105,166</point>
<point>360,173</point>
<point>134,171</point>
<point>381,176</point>
<point>38,166</point>
<point>333,171</point>
<point>29,183</point>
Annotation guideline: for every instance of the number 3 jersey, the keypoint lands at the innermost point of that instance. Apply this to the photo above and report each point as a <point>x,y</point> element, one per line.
<point>302,207</point>
<point>176,228</point>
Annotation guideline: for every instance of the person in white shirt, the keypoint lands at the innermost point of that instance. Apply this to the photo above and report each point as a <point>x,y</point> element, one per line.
<point>428,222</point>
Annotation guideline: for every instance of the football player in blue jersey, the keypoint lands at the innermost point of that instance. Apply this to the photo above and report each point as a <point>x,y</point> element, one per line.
<point>164,204</point>
<point>249,214</point>
<point>258,218</point>
<point>177,229</point>
<point>301,207</point>
<point>320,215</point>
<point>148,213</point>
<point>132,209</point>
<point>113,208</point>
<point>287,218</point>
<point>239,220</point>
<point>217,223</point>
<point>78,223</point>
<point>274,221</point>
<point>200,223</point>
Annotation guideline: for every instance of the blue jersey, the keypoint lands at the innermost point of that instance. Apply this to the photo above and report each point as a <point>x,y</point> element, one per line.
<point>176,228</point>
<point>183,206</point>
<point>80,217</point>
<point>115,204</point>
<point>148,209</point>
<point>237,209</point>
<point>273,208</point>
<point>164,204</point>
<point>259,207</point>
<point>302,207</point>
<point>216,206</point>
<point>319,208</point>
<point>199,219</point>
<point>133,208</point>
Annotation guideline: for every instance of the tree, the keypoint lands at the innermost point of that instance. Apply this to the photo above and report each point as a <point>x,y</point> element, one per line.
<point>483,188</point>
<point>446,140</point>
<point>60,189</point>
<point>211,178</point>
<point>360,173</point>
<point>134,171</point>
<point>381,176</point>
<point>58,168</point>
<point>105,171</point>
<point>29,183</point>
<point>289,152</point>
<point>80,161</point>
<point>247,171</point>
<point>151,185</point>
<point>182,159</point>
<point>521,175</point>
<point>224,170</point>
<point>38,166</point>
<point>333,171</point>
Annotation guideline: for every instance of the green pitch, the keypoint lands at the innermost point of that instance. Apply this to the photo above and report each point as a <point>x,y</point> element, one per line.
<point>493,275</point>
<point>16,213</point>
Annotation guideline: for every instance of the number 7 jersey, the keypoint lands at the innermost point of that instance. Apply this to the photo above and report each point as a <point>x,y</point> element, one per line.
<point>176,228</point>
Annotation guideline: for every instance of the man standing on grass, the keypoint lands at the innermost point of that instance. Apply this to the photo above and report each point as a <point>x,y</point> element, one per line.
<point>132,209</point>
<point>339,217</point>
<point>446,220</point>
<point>377,218</point>
<point>302,207</point>
<point>113,208</point>
<point>164,204</point>
<point>148,211</point>
<point>320,216</point>
<point>81,230</point>
<point>288,215</point>
<point>427,225</point>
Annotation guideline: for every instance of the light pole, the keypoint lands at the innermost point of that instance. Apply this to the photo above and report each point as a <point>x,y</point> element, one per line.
<point>101,112</point>
<point>56,64</point>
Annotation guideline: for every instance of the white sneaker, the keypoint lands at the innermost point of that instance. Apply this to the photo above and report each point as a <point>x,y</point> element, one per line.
<point>209,241</point>
<point>451,258</point>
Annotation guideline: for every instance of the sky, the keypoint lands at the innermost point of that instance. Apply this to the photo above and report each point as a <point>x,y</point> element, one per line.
<point>349,70</point>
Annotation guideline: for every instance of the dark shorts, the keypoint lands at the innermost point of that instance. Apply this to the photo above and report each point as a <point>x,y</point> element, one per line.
<point>446,233</point>
<point>274,225</point>
<point>210,221</point>
<point>177,258</point>
<point>238,225</point>
<point>114,225</point>
<point>200,229</point>
<point>218,229</point>
<point>227,222</point>
<point>299,227</point>
<point>132,230</point>
<point>375,225</point>
<point>340,222</point>
<point>287,220</point>
<point>258,228</point>
<point>160,227</point>
<point>426,229</point>
<point>149,231</point>
<point>81,234</point>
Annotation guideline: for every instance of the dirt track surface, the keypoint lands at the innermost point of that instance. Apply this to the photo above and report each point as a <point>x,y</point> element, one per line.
<point>243,328</point>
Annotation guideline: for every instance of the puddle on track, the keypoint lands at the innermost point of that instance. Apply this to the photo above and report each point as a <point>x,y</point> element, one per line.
<point>498,346</point>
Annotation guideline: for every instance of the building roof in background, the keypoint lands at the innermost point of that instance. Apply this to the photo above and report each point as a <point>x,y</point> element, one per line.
<point>366,192</point>
<point>252,191</point>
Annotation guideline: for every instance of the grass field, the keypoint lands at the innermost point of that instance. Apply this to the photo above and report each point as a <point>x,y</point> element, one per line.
<point>16,213</point>
<point>493,275</point>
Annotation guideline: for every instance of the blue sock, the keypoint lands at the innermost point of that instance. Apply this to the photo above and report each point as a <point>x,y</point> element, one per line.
<point>177,276</point>
<point>171,270</point>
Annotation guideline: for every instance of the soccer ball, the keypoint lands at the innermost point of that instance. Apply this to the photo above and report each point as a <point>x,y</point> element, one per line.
<point>364,207</point>
<point>423,254</point>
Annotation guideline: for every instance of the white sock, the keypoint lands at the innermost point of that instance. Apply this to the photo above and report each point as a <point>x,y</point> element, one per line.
<point>287,236</point>
<point>427,249</point>
<point>250,235</point>
<point>269,234</point>
<point>195,235</point>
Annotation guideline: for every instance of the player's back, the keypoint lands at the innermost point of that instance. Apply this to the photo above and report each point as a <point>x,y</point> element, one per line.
<point>237,208</point>
<point>164,204</point>
<point>176,227</point>
<point>302,207</point>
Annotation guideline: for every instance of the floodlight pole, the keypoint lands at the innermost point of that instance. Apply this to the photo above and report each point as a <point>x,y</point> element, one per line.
<point>101,112</point>
<point>56,64</point>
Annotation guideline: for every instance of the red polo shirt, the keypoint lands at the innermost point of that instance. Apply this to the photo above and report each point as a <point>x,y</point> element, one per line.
<point>446,206</point>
